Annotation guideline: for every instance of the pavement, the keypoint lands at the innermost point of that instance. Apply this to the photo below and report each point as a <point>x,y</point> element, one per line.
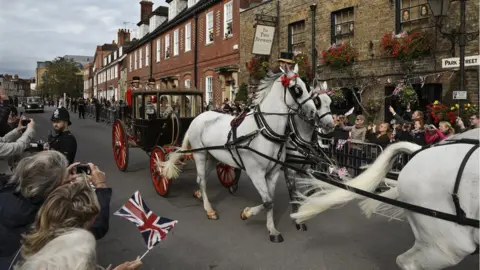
<point>339,239</point>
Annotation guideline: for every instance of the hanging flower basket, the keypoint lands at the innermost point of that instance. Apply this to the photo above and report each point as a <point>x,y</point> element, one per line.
<point>407,95</point>
<point>441,112</point>
<point>405,46</point>
<point>257,67</point>
<point>337,96</point>
<point>338,56</point>
<point>304,67</point>
<point>470,109</point>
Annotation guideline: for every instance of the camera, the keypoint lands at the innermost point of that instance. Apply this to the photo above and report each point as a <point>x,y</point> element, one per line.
<point>82,168</point>
<point>25,122</point>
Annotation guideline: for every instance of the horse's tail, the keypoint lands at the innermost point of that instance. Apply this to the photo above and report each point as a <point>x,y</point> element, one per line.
<point>170,168</point>
<point>370,206</point>
<point>369,180</point>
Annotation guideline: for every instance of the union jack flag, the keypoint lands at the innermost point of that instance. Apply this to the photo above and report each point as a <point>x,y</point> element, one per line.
<point>152,227</point>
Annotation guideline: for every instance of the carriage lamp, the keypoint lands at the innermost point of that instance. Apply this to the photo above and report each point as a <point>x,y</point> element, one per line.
<point>136,81</point>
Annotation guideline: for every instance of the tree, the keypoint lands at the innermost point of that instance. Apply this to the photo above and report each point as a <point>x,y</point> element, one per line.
<point>242,94</point>
<point>62,77</point>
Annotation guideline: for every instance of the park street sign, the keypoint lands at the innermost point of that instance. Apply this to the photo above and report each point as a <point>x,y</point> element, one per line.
<point>455,61</point>
<point>459,94</point>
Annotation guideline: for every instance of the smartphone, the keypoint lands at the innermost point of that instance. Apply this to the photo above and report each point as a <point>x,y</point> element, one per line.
<point>25,122</point>
<point>83,168</point>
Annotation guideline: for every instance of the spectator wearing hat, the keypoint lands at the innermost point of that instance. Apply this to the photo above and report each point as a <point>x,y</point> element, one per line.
<point>63,141</point>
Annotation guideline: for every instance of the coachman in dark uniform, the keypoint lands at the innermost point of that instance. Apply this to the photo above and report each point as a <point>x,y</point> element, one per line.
<point>63,141</point>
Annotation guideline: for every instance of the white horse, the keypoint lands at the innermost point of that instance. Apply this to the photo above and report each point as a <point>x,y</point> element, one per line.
<point>427,180</point>
<point>265,130</point>
<point>303,137</point>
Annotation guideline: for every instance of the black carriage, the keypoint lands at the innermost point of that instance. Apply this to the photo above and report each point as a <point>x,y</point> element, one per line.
<point>156,122</point>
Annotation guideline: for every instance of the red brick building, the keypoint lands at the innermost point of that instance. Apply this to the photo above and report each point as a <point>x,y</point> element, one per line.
<point>110,84</point>
<point>99,77</point>
<point>190,44</point>
<point>88,80</point>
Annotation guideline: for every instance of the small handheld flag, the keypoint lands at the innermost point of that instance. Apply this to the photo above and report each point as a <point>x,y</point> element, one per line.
<point>152,227</point>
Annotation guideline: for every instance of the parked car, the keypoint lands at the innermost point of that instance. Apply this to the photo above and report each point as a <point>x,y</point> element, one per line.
<point>34,104</point>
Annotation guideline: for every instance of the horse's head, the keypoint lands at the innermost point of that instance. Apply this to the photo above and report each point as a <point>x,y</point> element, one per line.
<point>322,103</point>
<point>297,97</point>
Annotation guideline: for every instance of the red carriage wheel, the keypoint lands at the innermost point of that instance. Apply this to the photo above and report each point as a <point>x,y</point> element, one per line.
<point>120,145</point>
<point>160,182</point>
<point>228,175</point>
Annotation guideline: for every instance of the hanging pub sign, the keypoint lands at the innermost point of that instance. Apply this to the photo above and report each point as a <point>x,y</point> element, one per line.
<point>263,40</point>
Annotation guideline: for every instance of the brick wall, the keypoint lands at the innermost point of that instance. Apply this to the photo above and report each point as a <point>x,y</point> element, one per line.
<point>372,20</point>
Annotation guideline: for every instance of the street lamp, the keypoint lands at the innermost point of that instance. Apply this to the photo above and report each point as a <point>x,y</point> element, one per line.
<point>440,10</point>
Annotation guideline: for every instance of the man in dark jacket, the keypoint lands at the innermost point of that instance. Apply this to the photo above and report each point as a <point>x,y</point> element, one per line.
<point>63,141</point>
<point>81,108</point>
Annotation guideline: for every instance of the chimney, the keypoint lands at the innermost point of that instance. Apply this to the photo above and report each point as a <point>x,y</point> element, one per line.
<point>146,7</point>
<point>123,36</point>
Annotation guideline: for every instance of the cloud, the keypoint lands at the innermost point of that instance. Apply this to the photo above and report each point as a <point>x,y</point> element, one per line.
<point>34,30</point>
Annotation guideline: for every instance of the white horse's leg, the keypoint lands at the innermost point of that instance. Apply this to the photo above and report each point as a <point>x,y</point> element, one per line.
<point>205,164</point>
<point>272,179</point>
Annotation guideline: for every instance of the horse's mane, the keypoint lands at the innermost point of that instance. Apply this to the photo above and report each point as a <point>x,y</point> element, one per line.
<point>265,87</point>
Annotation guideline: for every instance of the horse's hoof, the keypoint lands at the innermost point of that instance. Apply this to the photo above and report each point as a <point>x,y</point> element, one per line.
<point>301,227</point>
<point>276,238</point>
<point>243,216</point>
<point>197,195</point>
<point>212,216</point>
<point>233,189</point>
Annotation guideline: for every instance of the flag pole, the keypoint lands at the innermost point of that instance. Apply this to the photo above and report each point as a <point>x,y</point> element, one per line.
<point>144,254</point>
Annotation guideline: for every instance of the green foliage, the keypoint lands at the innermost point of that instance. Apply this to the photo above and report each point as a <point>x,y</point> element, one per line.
<point>62,77</point>
<point>242,94</point>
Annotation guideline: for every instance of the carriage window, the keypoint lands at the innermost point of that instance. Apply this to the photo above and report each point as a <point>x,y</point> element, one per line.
<point>193,105</point>
<point>139,107</point>
<point>165,105</point>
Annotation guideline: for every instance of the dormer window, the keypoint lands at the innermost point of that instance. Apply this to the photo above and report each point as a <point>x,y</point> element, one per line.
<point>114,55</point>
<point>172,10</point>
<point>120,51</point>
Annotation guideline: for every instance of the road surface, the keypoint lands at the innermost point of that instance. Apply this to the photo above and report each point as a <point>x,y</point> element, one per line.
<point>340,239</point>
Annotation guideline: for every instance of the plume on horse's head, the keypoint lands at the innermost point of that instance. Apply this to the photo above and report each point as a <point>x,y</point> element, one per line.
<point>265,87</point>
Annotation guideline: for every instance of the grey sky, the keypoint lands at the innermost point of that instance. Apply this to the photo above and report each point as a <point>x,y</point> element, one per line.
<point>33,30</point>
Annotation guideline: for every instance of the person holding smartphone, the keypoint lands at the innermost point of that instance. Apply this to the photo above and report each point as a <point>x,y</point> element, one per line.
<point>18,139</point>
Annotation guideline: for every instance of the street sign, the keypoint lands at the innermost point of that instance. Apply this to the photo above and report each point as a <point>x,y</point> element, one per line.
<point>459,94</point>
<point>455,61</point>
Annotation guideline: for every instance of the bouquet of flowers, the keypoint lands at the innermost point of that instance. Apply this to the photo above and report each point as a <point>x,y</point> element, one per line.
<point>339,56</point>
<point>405,46</point>
<point>407,95</point>
<point>441,112</point>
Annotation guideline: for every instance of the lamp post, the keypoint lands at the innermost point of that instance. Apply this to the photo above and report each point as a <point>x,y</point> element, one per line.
<point>440,10</point>
<point>313,8</point>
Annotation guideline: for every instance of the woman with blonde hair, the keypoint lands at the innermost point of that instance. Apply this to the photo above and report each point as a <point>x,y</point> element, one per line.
<point>60,238</point>
<point>434,135</point>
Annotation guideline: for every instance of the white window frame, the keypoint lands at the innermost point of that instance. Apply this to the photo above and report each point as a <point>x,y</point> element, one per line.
<point>140,62</point>
<point>187,83</point>
<point>227,10</point>
<point>120,51</point>
<point>147,55</point>
<point>130,62</point>
<point>209,26</point>
<point>114,55</point>
<point>158,50</point>
<point>188,37</point>
<point>208,89</point>
<point>167,46</point>
<point>176,35</point>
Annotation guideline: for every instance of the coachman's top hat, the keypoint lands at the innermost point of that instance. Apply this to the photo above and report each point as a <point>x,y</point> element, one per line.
<point>61,114</point>
<point>286,57</point>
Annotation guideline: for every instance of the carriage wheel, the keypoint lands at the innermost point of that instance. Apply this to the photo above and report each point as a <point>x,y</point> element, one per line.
<point>160,182</point>
<point>120,145</point>
<point>228,176</point>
